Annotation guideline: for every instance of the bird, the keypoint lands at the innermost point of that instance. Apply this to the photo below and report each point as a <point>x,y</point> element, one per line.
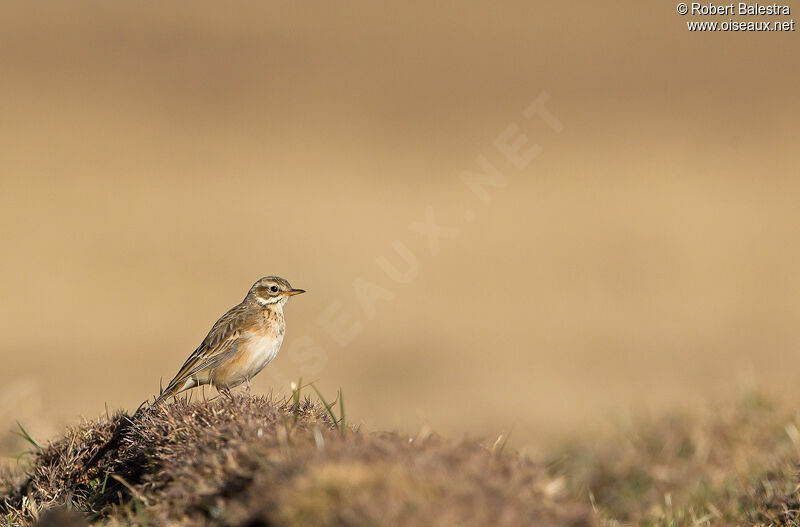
<point>241,343</point>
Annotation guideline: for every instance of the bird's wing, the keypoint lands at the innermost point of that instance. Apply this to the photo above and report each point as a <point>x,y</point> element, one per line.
<point>219,344</point>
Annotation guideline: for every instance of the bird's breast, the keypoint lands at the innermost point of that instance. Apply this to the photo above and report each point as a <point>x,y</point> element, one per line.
<point>256,348</point>
<point>260,350</point>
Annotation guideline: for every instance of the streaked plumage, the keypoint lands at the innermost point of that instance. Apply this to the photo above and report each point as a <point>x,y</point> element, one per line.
<point>241,343</point>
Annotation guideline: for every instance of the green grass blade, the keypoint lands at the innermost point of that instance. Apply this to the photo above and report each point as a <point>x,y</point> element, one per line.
<point>26,436</point>
<point>327,406</point>
<point>140,512</point>
<point>296,398</point>
<point>342,424</point>
<point>105,480</point>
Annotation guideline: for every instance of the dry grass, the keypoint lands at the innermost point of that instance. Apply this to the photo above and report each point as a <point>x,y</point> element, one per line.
<point>253,461</point>
<point>732,465</point>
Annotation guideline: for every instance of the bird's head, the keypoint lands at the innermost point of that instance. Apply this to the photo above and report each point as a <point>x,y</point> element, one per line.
<point>272,290</point>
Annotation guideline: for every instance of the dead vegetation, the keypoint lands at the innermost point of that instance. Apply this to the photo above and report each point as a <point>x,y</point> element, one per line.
<point>250,461</point>
<point>731,465</point>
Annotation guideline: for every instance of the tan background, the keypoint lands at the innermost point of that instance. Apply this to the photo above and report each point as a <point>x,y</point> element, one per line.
<point>155,161</point>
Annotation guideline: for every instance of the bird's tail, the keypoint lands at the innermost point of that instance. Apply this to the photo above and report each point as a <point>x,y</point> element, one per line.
<point>166,393</point>
<point>175,386</point>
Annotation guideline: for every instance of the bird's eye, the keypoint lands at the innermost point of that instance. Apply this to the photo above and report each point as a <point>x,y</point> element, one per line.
<point>273,288</point>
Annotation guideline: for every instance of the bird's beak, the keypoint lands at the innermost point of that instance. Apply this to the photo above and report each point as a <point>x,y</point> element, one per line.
<point>292,292</point>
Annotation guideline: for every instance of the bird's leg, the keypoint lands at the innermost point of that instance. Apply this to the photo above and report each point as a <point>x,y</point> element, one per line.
<point>247,386</point>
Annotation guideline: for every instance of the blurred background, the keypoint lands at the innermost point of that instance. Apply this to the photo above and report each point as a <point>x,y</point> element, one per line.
<point>155,160</point>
